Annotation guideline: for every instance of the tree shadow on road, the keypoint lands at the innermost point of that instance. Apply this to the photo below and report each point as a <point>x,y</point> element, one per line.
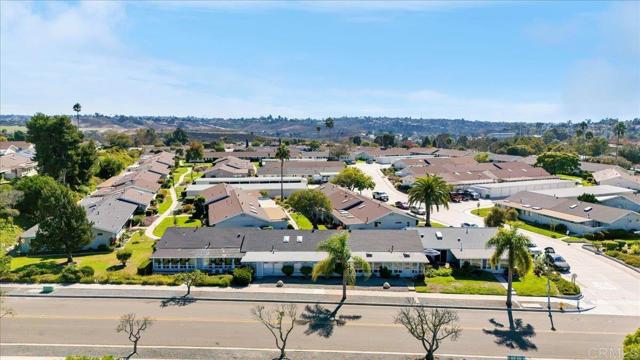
<point>319,320</point>
<point>177,301</point>
<point>517,336</point>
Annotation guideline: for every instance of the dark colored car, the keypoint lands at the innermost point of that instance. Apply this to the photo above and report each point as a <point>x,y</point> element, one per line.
<point>549,250</point>
<point>402,205</point>
<point>558,262</point>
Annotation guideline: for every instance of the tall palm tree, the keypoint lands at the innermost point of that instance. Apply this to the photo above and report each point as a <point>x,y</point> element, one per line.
<point>329,123</point>
<point>432,191</point>
<point>619,129</point>
<point>339,253</point>
<point>515,245</point>
<point>282,154</point>
<point>77,108</point>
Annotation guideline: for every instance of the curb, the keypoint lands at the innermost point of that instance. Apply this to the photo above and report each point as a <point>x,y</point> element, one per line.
<point>591,248</point>
<point>306,302</point>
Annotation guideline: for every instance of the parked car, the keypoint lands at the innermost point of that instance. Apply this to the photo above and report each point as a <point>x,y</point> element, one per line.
<point>349,162</point>
<point>549,250</point>
<point>468,225</point>
<point>474,195</point>
<point>535,251</point>
<point>402,205</point>
<point>558,262</point>
<point>369,161</point>
<point>381,195</point>
<point>418,210</point>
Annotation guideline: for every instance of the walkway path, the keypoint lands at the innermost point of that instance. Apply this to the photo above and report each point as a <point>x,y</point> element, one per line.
<point>174,205</point>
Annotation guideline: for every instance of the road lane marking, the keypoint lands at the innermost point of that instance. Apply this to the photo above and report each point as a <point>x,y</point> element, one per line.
<point>222,348</point>
<point>353,323</point>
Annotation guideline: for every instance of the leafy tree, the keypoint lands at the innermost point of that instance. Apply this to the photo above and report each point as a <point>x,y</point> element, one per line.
<point>9,198</point>
<point>495,218</point>
<point>356,140</point>
<point>443,141</point>
<point>190,278</point>
<point>282,154</point>
<point>631,346</point>
<point>597,146</point>
<point>198,204</point>
<point>280,321</point>
<point>482,157</point>
<point>386,140</point>
<point>109,166</point>
<point>619,129</point>
<point>590,198</point>
<point>430,326</point>
<point>77,108</point>
<point>63,226</point>
<point>118,139</point>
<point>515,245</point>
<point>312,203</point>
<point>133,328</point>
<point>146,136</point>
<point>314,145</point>
<point>57,144</point>
<point>432,191</point>
<point>87,160</point>
<point>555,134</point>
<point>631,153</point>
<point>19,135</point>
<point>178,136</point>
<point>353,178</point>
<point>340,259</point>
<point>338,151</point>
<point>195,151</point>
<point>559,162</point>
<point>5,265</point>
<point>33,189</point>
<point>123,256</point>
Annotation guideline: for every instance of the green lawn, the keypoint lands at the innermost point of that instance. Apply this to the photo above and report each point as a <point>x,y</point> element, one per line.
<point>437,224</point>
<point>545,232</point>
<point>178,172</point>
<point>531,285</point>
<point>482,212</point>
<point>102,263</point>
<point>481,284</point>
<point>180,190</point>
<point>575,178</point>
<point>181,221</point>
<point>165,204</point>
<point>304,223</point>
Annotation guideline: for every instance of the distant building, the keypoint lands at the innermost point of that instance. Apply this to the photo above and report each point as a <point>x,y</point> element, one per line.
<point>317,171</point>
<point>231,166</point>
<point>354,211</point>
<point>617,177</point>
<point>505,189</point>
<point>269,185</point>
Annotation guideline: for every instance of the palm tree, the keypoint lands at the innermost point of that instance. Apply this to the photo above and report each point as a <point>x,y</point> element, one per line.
<point>282,154</point>
<point>329,123</point>
<point>339,253</point>
<point>77,108</point>
<point>619,129</point>
<point>515,245</point>
<point>432,191</point>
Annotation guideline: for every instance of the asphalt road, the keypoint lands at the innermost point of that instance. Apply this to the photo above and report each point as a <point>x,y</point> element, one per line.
<point>200,329</point>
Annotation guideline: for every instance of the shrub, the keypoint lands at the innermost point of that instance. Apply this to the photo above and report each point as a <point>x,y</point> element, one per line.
<point>287,270</point>
<point>610,245</point>
<point>138,219</point>
<point>187,208</point>
<point>70,274</point>
<point>102,247</point>
<point>216,280</point>
<point>567,287</point>
<point>561,228</point>
<point>621,244</point>
<point>443,271</point>
<point>385,272</point>
<point>306,270</point>
<point>242,276</point>
<point>123,256</point>
<point>634,249</point>
<point>87,271</point>
<point>144,268</point>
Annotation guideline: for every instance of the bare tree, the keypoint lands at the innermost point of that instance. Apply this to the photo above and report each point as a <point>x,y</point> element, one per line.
<point>430,326</point>
<point>133,327</point>
<point>189,279</point>
<point>4,311</point>
<point>280,321</point>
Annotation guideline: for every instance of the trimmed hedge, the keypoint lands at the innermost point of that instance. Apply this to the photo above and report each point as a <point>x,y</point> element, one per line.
<point>440,272</point>
<point>145,268</point>
<point>287,270</point>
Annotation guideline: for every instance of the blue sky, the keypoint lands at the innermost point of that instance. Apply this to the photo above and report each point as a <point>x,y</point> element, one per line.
<point>510,61</point>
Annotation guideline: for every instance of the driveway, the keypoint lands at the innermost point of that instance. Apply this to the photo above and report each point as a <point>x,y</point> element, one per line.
<point>457,213</point>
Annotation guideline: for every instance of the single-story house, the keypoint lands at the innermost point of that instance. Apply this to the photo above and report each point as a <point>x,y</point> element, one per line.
<point>623,201</point>
<point>319,171</point>
<point>505,189</point>
<point>231,166</point>
<point>617,177</point>
<point>12,147</point>
<point>354,211</point>
<point>270,185</point>
<point>216,250</point>
<point>459,245</point>
<point>227,206</point>
<point>578,217</point>
<point>574,192</point>
<point>108,215</point>
<point>16,165</point>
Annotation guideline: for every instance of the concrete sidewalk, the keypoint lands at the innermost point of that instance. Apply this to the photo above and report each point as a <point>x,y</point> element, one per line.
<point>174,204</point>
<point>271,294</point>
